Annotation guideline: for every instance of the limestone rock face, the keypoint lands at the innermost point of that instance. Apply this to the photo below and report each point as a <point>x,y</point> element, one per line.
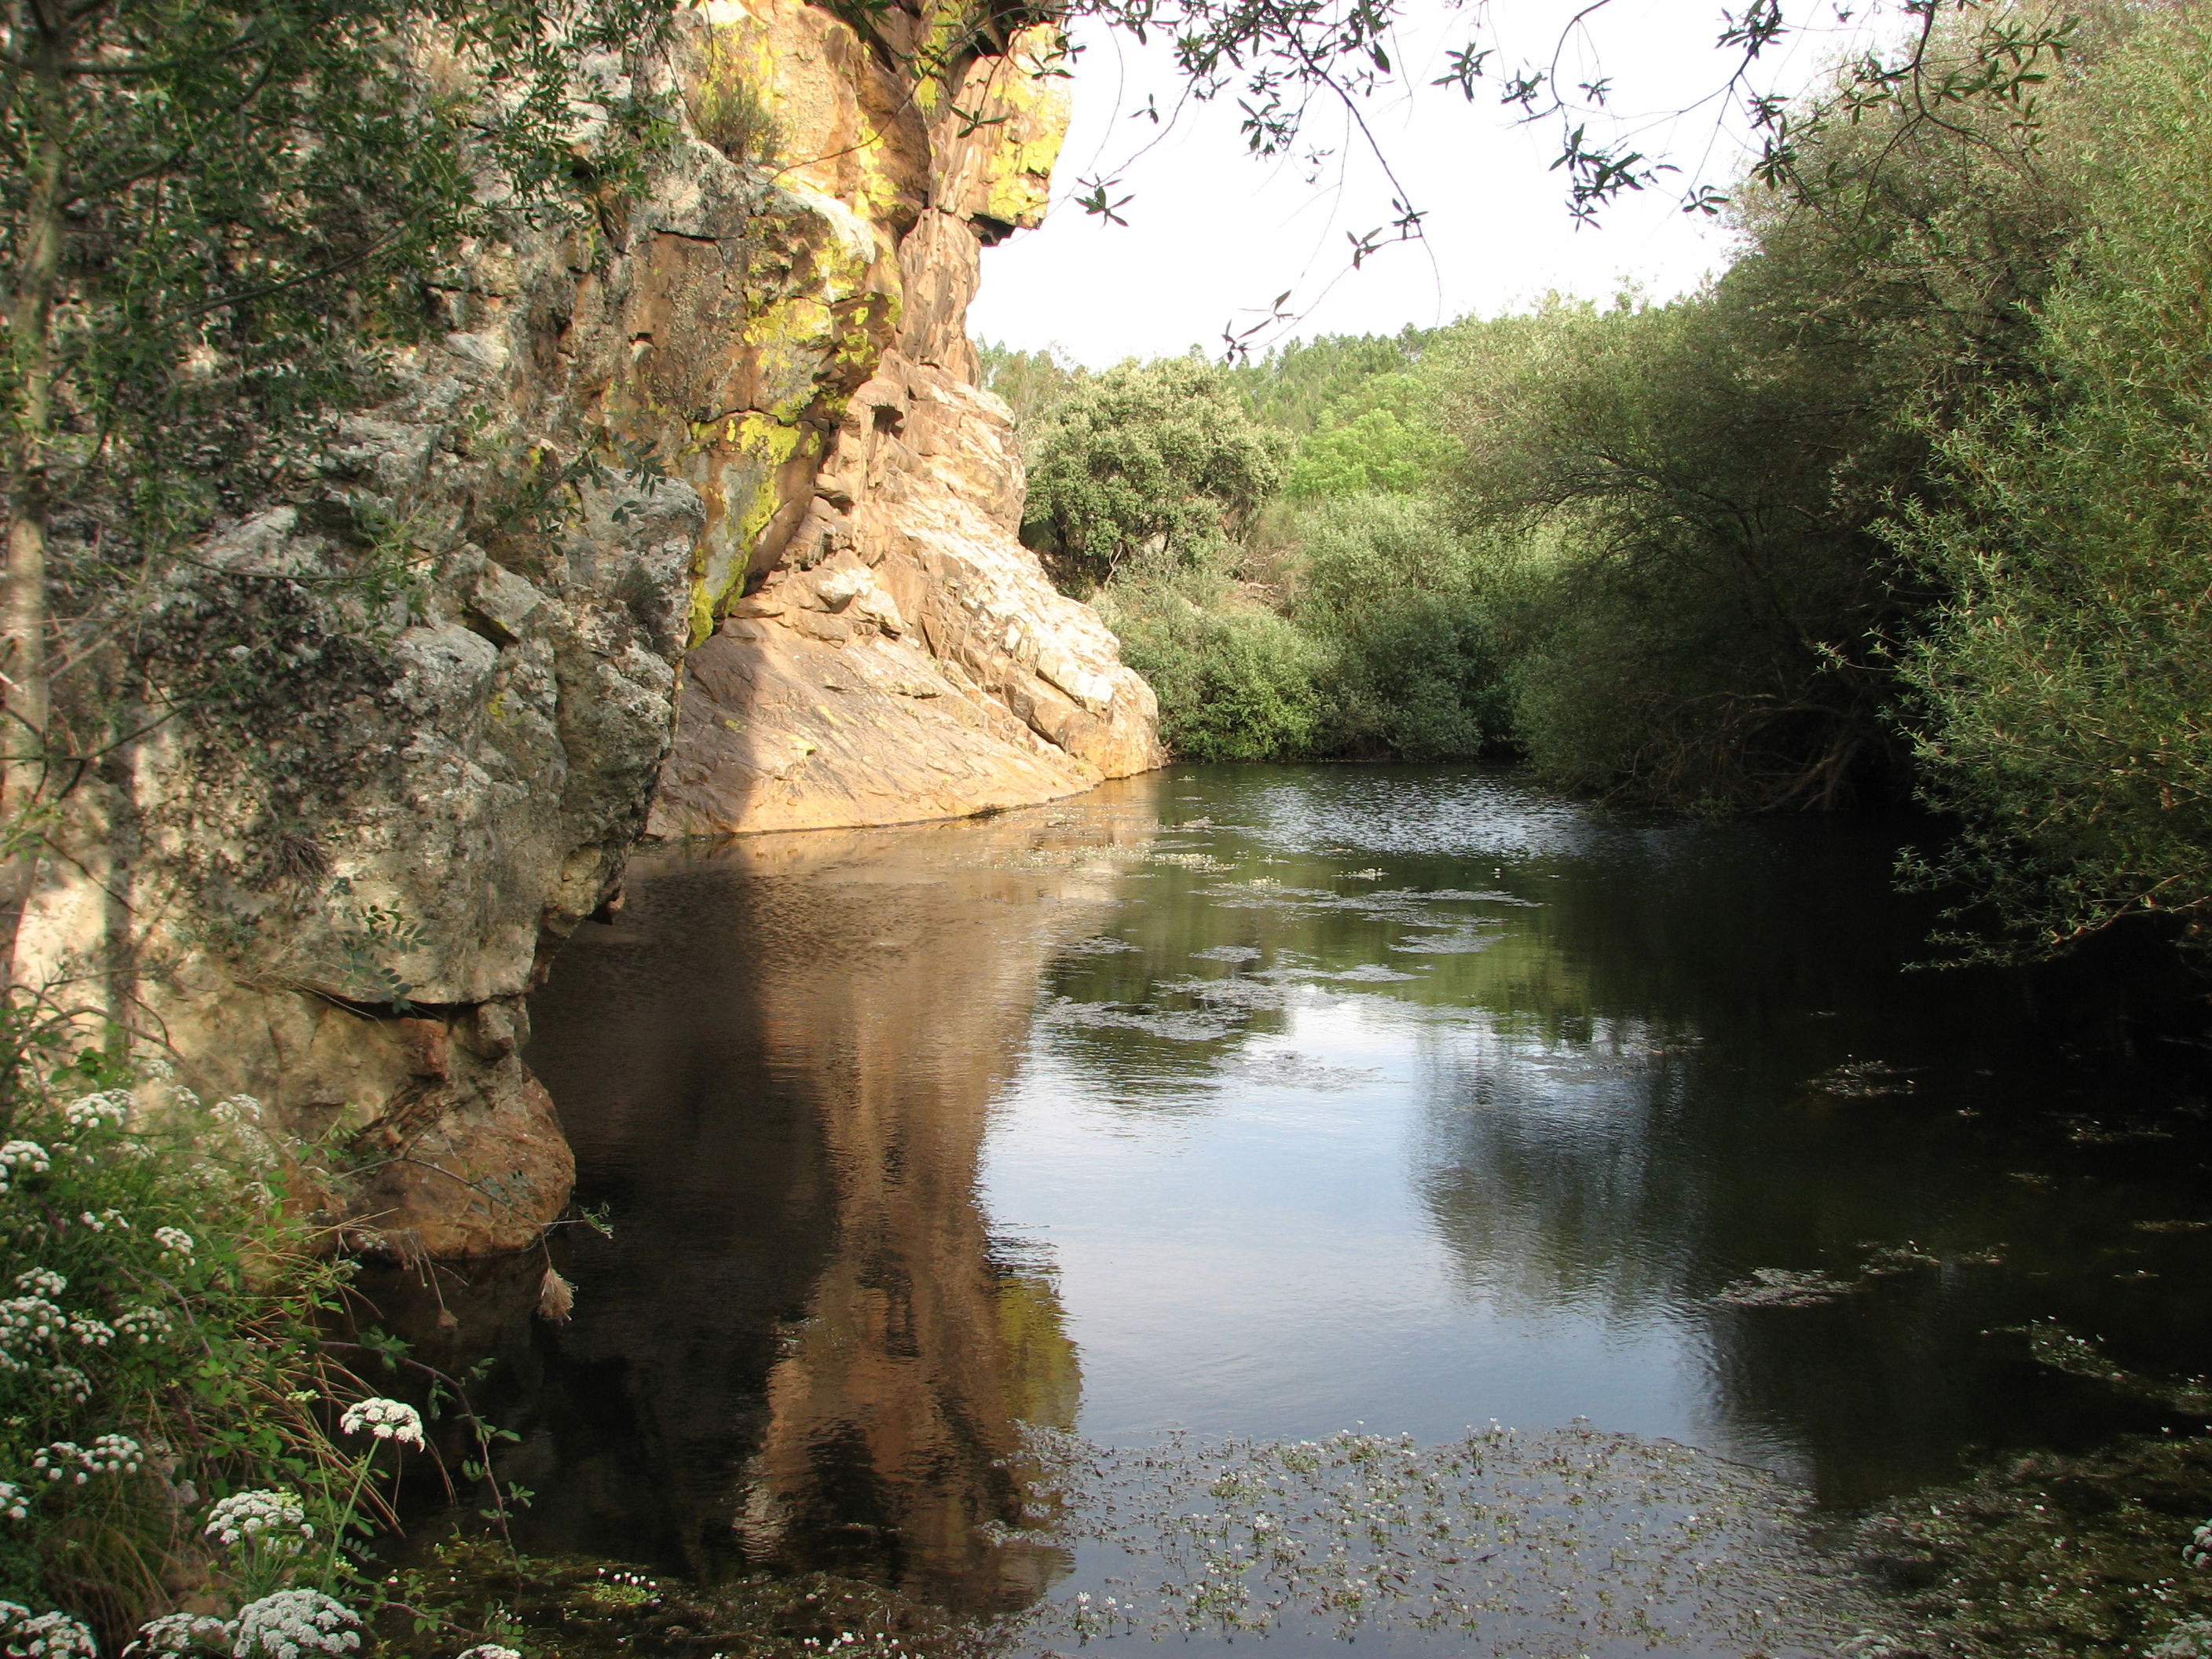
<point>394,731</point>
<point>908,658</point>
<point>904,656</point>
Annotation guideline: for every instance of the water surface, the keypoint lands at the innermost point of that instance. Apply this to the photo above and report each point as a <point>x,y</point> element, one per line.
<point>1274,1102</point>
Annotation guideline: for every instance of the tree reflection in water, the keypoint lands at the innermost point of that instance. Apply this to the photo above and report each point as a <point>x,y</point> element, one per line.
<point>1396,1095</point>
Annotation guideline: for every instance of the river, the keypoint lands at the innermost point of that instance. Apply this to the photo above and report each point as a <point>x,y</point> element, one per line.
<point>988,1200</point>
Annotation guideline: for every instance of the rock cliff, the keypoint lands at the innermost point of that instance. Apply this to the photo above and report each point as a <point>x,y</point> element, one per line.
<point>898,654</point>
<point>715,448</point>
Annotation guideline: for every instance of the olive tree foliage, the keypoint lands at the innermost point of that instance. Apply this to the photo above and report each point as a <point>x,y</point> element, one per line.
<point>1162,459</point>
<point>2064,690</point>
<point>215,216</point>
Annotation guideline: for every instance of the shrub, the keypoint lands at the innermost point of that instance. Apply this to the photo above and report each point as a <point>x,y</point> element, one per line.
<point>2064,686</point>
<point>1235,681</point>
<point>162,1375</point>
<point>1158,458</point>
<point>1394,597</point>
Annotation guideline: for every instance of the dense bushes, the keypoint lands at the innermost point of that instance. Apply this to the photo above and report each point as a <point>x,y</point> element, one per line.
<point>1159,459</point>
<point>1396,601</point>
<point>1343,621</point>
<point>1703,599</point>
<point>173,1429</point>
<point>1912,498</point>
<point>2063,690</point>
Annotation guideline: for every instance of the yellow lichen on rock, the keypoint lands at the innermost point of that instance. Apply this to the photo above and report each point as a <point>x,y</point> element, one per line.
<point>958,679</point>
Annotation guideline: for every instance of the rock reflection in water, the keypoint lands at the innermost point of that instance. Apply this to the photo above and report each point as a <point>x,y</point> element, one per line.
<point>800,1346</point>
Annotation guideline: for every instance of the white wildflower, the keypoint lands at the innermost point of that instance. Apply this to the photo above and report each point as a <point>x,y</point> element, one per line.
<point>180,1634</point>
<point>387,1419</point>
<point>243,1111</point>
<point>2190,1639</point>
<point>111,1453</point>
<point>174,1240</point>
<point>2197,1551</point>
<point>14,1503</point>
<point>107,1110</point>
<point>116,1454</point>
<point>19,1159</point>
<point>29,1319</point>
<point>273,1518</point>
<point>48,1636</point>
<point>144,1324</point>
<point>490,1651</point>
<point>71,1383</point>
<point>292,1624</point>
<point>41,1281</point>
<point>90,1333</point>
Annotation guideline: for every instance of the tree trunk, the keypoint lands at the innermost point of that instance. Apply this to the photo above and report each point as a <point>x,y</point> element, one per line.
<point>26,696</point>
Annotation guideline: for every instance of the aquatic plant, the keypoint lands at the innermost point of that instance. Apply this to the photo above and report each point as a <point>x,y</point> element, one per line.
<point>1520,1537</point>
<point>2046,1556</point>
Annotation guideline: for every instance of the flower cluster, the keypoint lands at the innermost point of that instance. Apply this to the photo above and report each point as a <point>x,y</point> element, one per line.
<point>174,1240</point>
<point>490,1651</point>
<point>2190,1639</point>
<point>13,1504</point>
<point>104,1220</point>
<point>91,1332</point>
<point>272,1518</point>
<point>180,1633</point>
<point>45,1636</point>
<point>111,1453</point>
<point>28,1319</point>
<point>292,1624</point>
<point>387,1419</point>
<point>71,1383</point>
<point>145,1324</point>
<point>41,1281</point>
<point>19,1159</point>
<point>107,1110</point>
<point>2197,1551</point>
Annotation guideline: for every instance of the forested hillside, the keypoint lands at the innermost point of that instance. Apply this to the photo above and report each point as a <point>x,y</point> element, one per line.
<point>1906,503</point>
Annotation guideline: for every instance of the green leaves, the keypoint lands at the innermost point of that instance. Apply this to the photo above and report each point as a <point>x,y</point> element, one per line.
<point>1161,459</point>
<point>2061,689</point>
<point>257,192</point>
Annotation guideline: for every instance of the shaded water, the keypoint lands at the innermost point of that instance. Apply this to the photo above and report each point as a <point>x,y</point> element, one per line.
<point>1273,1102</point>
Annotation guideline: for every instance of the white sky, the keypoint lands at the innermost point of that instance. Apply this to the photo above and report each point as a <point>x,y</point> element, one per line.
<point>1214,235</point>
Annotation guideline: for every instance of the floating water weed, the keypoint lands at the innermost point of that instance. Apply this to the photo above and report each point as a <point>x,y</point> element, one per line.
<point>1284,1069</point>
<point>1176,1025</point>
<point>1783,1287</point>
<point>1623,1542</point>
<point>1863,1080</point>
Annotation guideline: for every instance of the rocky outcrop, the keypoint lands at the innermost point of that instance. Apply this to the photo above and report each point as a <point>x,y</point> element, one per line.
<point>904,656</point>
<point>388,738</point>
<point>908,659</point>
